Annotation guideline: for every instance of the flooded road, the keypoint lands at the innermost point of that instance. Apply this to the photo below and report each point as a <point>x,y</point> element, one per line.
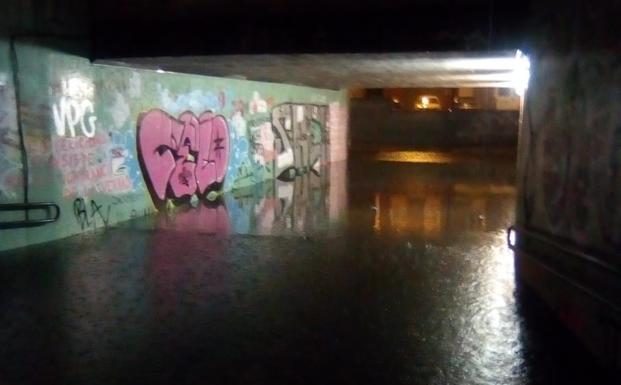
<point>386,271</point>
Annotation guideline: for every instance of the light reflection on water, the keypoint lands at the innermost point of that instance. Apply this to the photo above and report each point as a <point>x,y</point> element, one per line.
<point>391,273</point>
<point>415,156</point>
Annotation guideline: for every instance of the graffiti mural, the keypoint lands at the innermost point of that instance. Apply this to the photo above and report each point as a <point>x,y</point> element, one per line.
<point>282,141</point>
<point>183,157</point>
<point>157,140</point>
<point>188,158</point>
<point>91,165</point>
<point>301,139</point>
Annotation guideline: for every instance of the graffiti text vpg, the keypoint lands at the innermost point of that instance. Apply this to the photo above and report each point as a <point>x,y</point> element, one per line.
<point>75,109</point>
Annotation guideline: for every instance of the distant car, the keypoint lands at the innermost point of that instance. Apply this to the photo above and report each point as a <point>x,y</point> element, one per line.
<point>465,103</point>
<point>427,102</point>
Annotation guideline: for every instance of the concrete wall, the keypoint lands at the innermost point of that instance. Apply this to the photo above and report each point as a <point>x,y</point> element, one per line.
<point>11,181</point>
<point>374,122</point>
<point>570,150</point>
<point>108,143</point>
<point>569,174</point>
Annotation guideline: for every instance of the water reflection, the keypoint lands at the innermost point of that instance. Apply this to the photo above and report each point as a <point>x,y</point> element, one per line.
<point>309,204</point>
<point>429,201</point>
<point>416,156</point>
<point>385,274</point>
<point>421,200</point>
<point>431,216</point>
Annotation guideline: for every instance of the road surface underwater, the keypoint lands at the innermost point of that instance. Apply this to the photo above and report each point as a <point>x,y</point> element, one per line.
<point>376,272</point>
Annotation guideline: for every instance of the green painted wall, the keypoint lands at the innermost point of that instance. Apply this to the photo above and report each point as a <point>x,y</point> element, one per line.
<point>11,188</point>
<point>80,123</point>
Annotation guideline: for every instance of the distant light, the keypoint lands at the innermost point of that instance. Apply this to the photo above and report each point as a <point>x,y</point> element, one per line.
<point>395,100</point>
<point>160,71</point>
<point>511,237</point>
<point>425,100</point>
<point>521,73</point>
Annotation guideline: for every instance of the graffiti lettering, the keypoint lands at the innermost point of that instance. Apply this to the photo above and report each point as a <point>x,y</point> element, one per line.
<point>75,107</point>
<point>70,113</point>
<point>182,157</point>
<point>302,138</point>
<point>86,218</point>
<point>91,165</point>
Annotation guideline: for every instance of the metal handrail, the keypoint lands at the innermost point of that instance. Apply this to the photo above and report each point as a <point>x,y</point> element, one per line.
<point>566,247</point>
<point>47,206</point>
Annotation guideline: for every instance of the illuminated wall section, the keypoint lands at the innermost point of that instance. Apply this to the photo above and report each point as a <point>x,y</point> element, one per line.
<point>110,143</point>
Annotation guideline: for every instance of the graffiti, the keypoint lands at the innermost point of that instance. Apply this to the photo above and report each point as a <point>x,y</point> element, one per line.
<point>139,213</point>
<point>195,101</point>
<point>88,218</point>
<point>290,141</point>
<point>257,105</point>
<point>301,142</point>
<point>69,113</point>
<point>273,207</point>
<point>75,107</point>
<point>91,165</point>
<point>10,154</point>
<point>262,141</point>
<point>284,141</point>
<point>122,159</point>
<point>89,214</point>
<point>7,136</point>
<point>570,175</point>
<point>182,157</point>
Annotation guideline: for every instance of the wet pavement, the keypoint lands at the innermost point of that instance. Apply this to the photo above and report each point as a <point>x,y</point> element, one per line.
<point>389,272</point>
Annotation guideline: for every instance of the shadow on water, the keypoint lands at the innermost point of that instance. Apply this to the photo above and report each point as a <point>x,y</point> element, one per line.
<point>389,273</point>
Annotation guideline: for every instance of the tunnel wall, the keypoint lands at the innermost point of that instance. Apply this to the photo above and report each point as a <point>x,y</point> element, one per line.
<point>569,175</point>
<point>374,122</point>
<point>571,146</point>
<point>11,181</point>
<point>109,143</point>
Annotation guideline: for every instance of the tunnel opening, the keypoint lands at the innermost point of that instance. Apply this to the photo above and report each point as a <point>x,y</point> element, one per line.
<point>459,111</point>
<point>476,98</point>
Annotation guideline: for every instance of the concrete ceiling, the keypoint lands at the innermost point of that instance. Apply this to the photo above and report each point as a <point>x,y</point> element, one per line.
<point>489,69</point>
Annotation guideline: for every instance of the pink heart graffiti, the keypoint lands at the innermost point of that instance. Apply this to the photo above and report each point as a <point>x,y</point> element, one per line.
<point>182,157</point>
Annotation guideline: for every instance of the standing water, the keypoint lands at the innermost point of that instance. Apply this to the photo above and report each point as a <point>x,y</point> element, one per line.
<point>391,272</point>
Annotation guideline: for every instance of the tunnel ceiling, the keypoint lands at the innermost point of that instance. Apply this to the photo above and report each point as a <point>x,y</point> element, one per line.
<point>490,69</point>
<point>147,28</point>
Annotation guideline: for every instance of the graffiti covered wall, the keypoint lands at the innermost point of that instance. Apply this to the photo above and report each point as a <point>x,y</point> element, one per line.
<point>108,143</point>
<point>11,180</point>
<point>570,176</point>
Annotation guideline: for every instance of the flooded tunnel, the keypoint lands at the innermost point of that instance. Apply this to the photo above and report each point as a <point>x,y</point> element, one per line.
<point>397,193</point>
